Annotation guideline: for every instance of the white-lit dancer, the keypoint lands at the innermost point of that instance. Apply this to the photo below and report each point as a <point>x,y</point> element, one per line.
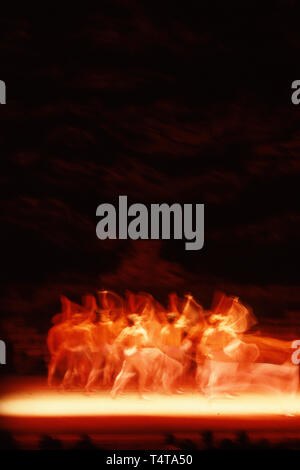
<point>129,342</point>
<point>227,356</point>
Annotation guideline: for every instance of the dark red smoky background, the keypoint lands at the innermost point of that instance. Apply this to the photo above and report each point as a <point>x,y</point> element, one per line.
<point>162,102</point>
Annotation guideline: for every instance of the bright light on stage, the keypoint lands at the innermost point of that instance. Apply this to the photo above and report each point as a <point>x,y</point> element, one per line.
<point>75,404</point>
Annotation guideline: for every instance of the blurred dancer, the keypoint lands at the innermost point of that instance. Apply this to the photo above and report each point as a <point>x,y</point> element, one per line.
<point>100,346</point>
<point>56,338</point>
<point>129,342</point>
<point>77,349</point>
<point>227,356</point>
<point>171,338</point>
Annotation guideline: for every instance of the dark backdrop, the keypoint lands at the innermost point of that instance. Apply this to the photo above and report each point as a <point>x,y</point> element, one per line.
<point>163,103</point>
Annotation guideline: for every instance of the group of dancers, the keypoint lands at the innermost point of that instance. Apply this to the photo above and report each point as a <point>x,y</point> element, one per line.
<point>114,343</point>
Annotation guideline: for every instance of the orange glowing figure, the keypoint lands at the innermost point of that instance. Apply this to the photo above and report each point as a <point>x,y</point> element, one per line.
<point>116,341</point>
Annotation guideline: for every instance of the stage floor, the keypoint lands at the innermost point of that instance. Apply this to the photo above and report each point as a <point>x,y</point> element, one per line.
<point>27,405</point>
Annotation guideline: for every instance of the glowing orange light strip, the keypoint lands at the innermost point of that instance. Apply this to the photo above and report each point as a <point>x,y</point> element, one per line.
<point>49,404</point>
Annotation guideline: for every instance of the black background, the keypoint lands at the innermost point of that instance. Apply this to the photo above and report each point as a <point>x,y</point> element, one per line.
<point>164,102</point>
